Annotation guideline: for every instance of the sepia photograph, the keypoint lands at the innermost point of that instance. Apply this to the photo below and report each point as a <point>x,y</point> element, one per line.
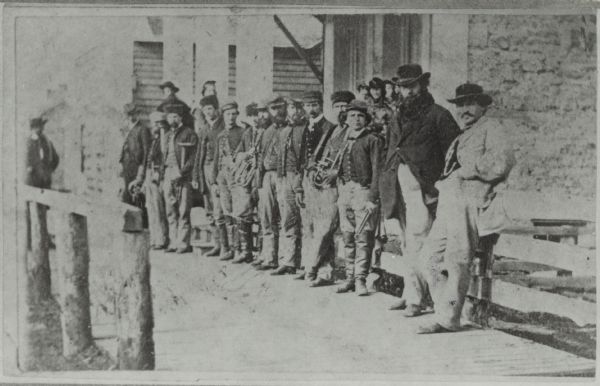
<point>299,192</point>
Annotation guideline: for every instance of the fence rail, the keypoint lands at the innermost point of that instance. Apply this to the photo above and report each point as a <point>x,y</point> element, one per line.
<point>133,316</point>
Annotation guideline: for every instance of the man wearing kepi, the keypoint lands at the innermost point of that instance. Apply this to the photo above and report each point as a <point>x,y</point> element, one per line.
<point>268,207</point>
<point>418,138</point>
<point>211,127</point>
<point>233,212</point>
<point>478,159</point>
<point>358,187</point>
<point>289,180</point>
<point>320,213</point>
<point>155,202</point>
<point>181,144</point>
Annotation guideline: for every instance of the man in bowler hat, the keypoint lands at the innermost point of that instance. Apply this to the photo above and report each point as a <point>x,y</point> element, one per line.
<point>170,92</point>
<point>468,208</point>
<point>417,139</point>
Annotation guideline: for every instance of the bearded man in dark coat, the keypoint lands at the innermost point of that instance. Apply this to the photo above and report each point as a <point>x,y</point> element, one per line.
<point>418,137</point>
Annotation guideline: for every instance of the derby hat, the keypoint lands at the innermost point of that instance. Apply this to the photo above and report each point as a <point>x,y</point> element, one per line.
<point>292,101</point>
<point>469,91</point>
<point>312,96</point>
<point>170,85</point>
<point>37,122</point>
<point>229,105</point>
<point>342,96</point>
<point>410,73</point>
<point>209,100</point>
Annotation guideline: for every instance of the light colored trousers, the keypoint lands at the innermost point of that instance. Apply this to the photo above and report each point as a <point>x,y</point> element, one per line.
<point>416,226</point>
<point>449,250</point>
<point>157,213</point>
<point>290,236</point>
<point>268,209</point>
<point>358,246</point>
<point>320,219</point>
<point>178,202</point>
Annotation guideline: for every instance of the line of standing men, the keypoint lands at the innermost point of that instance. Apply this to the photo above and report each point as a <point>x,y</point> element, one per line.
<point>309,176</point>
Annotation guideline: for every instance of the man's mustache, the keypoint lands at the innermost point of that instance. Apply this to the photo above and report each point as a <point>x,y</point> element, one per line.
<point>467,115</point>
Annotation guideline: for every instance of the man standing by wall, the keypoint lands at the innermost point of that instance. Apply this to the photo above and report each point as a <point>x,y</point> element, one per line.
<point>232,214</point>
<point>134,154</point>
<point>42,159</point>
<point>181,145</point>
<point>418,138</point>
<point>478,159</point>
<point>207,133</point>
<point>268,206</point>
<point>320,216</point>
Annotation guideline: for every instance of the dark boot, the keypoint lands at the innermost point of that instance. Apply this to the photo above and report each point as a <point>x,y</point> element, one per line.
<point>226,252</point>
<point>217,241</point>
<point>245,237</point>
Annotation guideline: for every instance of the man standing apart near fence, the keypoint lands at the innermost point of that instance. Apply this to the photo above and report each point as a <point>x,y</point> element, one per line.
<point>320,216</point>
<point>478,159</point>
<point>269,157</point>
<point>208,129</point>
<point>358,186</point>
<point>181,145</point>
<point>155,201</point>
<point>233,213</point>
<point>42,159</point>
<point>418,138</point>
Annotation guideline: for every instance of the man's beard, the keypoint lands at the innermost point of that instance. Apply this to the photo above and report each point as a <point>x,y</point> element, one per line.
<point>263,123</point>
<point>409,103</point>
<point>280,120</point>
<point>296,119</point>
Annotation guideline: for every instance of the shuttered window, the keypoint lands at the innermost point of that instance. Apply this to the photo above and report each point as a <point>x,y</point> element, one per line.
<point>148,73</point>
<point>291,75</point>
<point>232,72</point>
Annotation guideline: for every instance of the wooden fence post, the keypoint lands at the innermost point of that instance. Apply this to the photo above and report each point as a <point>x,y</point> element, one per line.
<point>24,298</point>
<point>73,255</point>
<point>38,266</point>
<point>134,303</point>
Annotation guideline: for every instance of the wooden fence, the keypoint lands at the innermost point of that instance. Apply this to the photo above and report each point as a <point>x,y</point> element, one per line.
<point>564,263</point>
<point>134,318</point>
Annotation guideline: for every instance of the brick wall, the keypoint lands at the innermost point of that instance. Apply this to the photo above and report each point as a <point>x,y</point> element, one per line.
<point>541,72</point>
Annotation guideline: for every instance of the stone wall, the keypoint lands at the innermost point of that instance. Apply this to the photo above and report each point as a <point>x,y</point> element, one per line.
<point>541,72</point>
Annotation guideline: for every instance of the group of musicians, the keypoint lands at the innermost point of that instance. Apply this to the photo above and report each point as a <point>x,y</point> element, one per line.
<point>390,153</point>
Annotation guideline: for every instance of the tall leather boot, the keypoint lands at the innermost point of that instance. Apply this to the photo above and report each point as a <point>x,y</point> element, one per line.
<point>362,261</point>
<point>349,257</point>
<point>226,252</point>
<point>217,241</point>
<point>245,237</point>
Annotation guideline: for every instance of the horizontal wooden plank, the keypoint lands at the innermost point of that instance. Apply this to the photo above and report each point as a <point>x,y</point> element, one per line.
<point>294,81</point>
<point>575,283</point>
<point>126,217</point>
<point>302,66</point>
<point>579,260</point>
<point>526,299</point>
